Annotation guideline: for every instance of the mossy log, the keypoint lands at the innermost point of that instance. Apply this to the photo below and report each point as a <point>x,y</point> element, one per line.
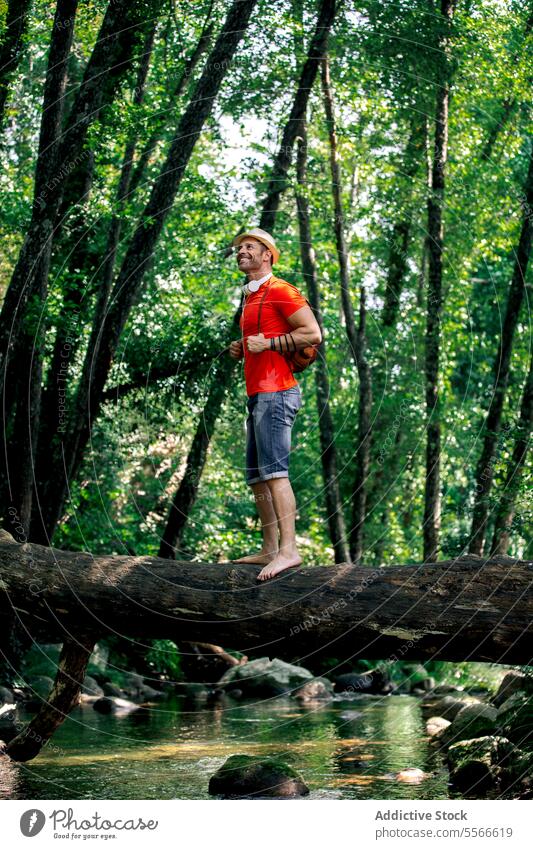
<point>465,609</point>
<point>469,608</point>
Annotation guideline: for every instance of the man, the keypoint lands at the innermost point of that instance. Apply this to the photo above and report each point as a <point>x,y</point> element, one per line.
<point>276,319</point>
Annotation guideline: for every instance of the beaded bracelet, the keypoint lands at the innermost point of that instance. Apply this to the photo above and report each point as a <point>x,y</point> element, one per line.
<point>275,339</point>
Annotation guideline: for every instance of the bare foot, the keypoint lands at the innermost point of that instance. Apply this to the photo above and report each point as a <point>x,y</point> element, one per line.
<point>279,564</point>
<point>260,559</point>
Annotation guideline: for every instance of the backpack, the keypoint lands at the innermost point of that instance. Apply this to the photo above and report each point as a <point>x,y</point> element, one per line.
<point>298,361</point>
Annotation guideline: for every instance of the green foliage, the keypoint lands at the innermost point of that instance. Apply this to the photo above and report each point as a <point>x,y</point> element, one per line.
<point>385,70</point>
<point>165,659</point>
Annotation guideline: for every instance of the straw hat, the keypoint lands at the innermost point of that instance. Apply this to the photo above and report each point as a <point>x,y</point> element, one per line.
<point>261,236</point>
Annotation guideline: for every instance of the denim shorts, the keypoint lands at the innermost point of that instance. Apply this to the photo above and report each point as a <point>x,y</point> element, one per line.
<point>268,433</point>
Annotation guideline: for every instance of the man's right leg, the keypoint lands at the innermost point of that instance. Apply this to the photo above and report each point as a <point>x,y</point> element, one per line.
<point>269,526</point>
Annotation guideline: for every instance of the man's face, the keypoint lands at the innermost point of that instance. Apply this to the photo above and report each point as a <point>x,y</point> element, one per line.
<point>251,255</point>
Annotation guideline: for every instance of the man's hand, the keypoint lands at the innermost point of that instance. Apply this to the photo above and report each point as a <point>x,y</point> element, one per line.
<point>257,344</point>
<point>235,350</point>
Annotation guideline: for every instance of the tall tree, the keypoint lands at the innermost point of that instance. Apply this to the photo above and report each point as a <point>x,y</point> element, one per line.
<point>62,162</point>
<point>12,46</point>
<point>401,229</point>
<point>137,259</point>
<point>30,278</point>
<point>432,499</point>
<point>75,296</point>
<point>328,450</point>
<point>356,334</point>
<point>505,511</point>
<point>293,127</point>
<point>188,488</point>
<point>501,368</point>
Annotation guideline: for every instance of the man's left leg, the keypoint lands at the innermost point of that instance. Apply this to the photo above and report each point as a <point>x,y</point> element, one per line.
<point>284,505</point>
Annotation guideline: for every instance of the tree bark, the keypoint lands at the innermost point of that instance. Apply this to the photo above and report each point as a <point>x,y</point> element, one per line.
<point>509,105</point>
<point>432,498</point>
<point>293,127</point>
<point>63,697</point>
<point>20,375</point>
<point>328,450</point>
<point>506,508</point>
<point>69,331</point>
<point>356,335</point>
<point>158,130</point>
<point>55,499</point>
<point>128,286</point>
<point>460,610</point>
<point>501,369</point>
<point>12,46</point>
<point>187,491</point>
<point>63,159</point>
<point>464,609</point>
<point>401,231</point>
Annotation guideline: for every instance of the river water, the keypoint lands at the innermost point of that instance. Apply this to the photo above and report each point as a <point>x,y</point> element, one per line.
<point>344,750</point>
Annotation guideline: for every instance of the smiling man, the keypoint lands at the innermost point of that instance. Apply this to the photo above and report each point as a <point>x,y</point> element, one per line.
<point>276,320</point>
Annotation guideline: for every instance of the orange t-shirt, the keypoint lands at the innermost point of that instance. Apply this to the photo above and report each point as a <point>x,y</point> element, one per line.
<point>269,371</point>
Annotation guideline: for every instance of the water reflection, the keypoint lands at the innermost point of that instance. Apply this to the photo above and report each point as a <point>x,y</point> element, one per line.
<point>345,749</point>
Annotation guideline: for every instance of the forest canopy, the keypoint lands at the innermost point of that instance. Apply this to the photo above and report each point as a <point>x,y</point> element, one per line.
<point>137,139</point>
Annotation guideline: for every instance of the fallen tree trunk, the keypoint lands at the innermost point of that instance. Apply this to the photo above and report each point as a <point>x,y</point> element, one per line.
<point>470,608</point>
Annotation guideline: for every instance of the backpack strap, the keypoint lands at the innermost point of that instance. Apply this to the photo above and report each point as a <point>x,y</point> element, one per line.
<point>261,305</point>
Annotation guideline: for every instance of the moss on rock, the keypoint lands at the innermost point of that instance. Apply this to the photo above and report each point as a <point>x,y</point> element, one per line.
<point>246,776</point>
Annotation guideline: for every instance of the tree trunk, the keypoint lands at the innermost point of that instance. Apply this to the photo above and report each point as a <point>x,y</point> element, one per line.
<point>356,336</point>
<point>328,450</point>
<point>104,339</point>
<point>509,105</point>
<point>20,374</point>
<point>465,609</point>
<point>462,609</point>
<point>432,499</point>
<point>160,123</point>
<point>12,46</point>
<point>293,127</point>
<point>515,467</point>
<point>63,697</point>
<point>69,330</point>
<point>187,491</point>
<point>501,368</point>
<point>401,231</point>
<point>62,162</point>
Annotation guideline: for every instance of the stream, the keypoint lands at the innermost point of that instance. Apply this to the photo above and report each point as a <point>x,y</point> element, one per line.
<point>345,749</point>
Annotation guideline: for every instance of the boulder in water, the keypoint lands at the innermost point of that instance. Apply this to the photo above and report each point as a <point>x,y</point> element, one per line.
<point>39,687</point>
<point>111,689</point>
<point>90,687</point>
<point>318,690</point>
<point>110,704</point>
<point>264,677</point>
<point>476,766</point>
<point>372,682</point>
<point>447,706</point>
<point>6,696</point>
<point>435,725</point>
<point>513,682</point>
<point>248,776</point>
<point>411,775</point>
<point>515,719</point>
<point>471,722</point>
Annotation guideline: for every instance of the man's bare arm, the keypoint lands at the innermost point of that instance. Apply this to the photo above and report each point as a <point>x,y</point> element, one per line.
<point>305,331</point>
<point>305,328</point>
